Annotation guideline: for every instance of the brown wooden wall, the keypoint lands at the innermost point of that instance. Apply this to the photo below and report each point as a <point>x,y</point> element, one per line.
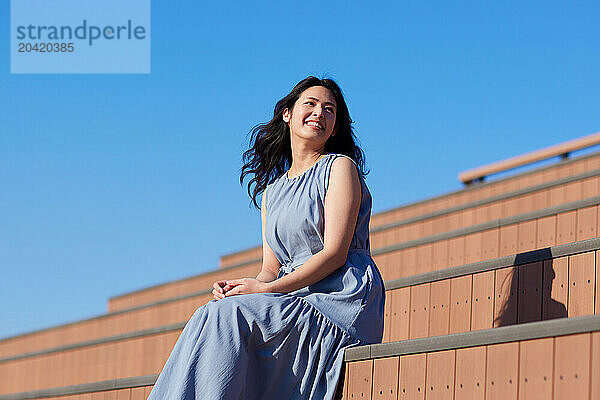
<point>565,286</point>
<point>489,212</point>
<point>109,325</point>
<point>556,288</point>
<point>128,358</point>
<point>561,228</point>
<point>566,367</point>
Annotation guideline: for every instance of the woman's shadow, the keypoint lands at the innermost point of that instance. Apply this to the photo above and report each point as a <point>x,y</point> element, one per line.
<point>533,291</point>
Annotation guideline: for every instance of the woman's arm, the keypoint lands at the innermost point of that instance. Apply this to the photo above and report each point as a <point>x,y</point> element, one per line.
<point>342,203</point>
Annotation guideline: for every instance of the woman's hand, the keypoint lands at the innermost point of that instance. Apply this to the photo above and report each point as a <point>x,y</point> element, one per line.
<point>245,286</point>
<point>219,289</point>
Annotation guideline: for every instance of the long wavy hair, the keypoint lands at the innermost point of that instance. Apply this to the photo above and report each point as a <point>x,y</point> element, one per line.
<point>270,152</point>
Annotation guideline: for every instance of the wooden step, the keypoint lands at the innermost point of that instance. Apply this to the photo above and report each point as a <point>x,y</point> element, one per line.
<point>558,359</point>
<point>414,309</point>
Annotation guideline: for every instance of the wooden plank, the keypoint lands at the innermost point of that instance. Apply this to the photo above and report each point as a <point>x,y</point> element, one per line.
<point>546,232</point>
<point>455,220</point>
<point>581,284</point>
<point>439,316</point>
<point>387,315</point>
<point>495,210</point>
<point>110,395</point>
<point>400,317</point>
<point>98,396</point>
<point>587,221</point>
<point>541,199</point>
<point>388,265</point>
<point>572,366</point>
<point>456,251</point>
<point>344,394</point>
<point>360,375</point>
<point>440,375</point>
<point>505,298</point>
<point>419,307</point>
<point>470,373</point>
<point>573,191</point>
<point>527,236</point>
<point>510,207</point>
<point>590,187</point>
<point>482,305</point>
<point>508,240</point>
<point>566,227</point>
<point>385,378</point>
<point>597,306</point>
<point>595,371</point>
<point>490,244</point>
<point>138,393</point>
<point>412,377</point>
<point>525,203</point>
<point>535,369</point>
<point>556,288</point>
<point>530,293</point>
<point>469,216</point>
<point>557,196</point>
<point>424,257</point>
<point>460,303</point>
<point>473,245</point>
<point>124,394</point>
<point>502,371</point>
<point>440,255</point>
<point>409,261</point>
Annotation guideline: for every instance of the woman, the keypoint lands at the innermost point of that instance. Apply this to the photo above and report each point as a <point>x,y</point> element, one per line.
<point>282,334</point>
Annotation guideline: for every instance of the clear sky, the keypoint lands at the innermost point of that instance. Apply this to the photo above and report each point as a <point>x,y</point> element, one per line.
<point>111,183</point>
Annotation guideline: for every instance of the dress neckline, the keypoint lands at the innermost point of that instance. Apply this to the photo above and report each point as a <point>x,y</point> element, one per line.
<point>285,175</point>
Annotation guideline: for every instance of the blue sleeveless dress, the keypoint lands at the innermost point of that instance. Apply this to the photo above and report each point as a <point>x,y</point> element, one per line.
<point>283,346</point>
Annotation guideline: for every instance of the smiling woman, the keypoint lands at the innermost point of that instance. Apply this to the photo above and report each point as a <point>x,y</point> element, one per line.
<point>282,334</point>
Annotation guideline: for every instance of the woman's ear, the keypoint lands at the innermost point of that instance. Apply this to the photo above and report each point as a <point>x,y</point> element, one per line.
<point>286,115</point>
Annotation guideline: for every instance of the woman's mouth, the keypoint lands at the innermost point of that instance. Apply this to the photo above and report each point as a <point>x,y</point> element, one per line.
<point>314,125</point>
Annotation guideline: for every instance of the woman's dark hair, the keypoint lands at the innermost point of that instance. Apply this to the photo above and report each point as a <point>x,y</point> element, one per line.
<point>270,154</point>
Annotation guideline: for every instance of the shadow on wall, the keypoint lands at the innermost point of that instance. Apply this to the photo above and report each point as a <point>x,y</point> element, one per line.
<point>531,292</point>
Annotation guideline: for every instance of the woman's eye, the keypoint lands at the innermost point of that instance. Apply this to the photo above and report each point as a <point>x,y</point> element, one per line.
<point>329,109</point>
<point>310,102</point>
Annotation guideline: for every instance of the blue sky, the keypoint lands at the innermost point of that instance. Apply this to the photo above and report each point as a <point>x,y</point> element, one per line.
<point>111,183</point>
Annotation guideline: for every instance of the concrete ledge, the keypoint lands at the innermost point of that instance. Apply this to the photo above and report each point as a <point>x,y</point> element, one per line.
<point>113,384</point>
<point>513,333</point>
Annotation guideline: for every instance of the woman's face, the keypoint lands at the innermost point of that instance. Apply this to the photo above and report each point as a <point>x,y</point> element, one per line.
<point>313,115</point>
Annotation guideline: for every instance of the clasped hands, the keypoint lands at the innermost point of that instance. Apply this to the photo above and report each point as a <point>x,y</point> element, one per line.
<point>232,287</point>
